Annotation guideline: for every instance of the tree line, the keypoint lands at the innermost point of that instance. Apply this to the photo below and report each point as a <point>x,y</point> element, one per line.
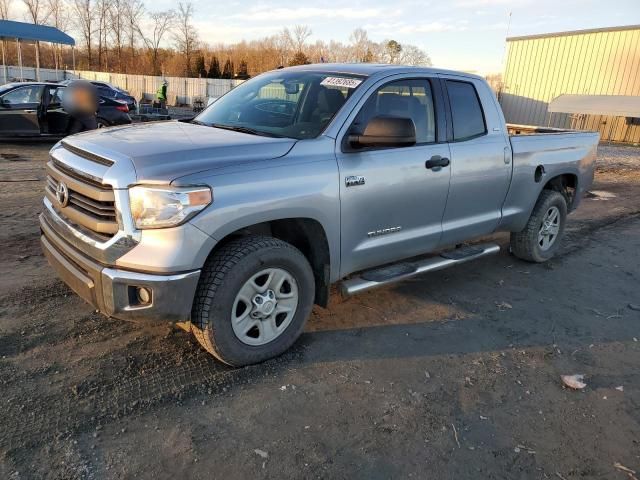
<point>125,36</point>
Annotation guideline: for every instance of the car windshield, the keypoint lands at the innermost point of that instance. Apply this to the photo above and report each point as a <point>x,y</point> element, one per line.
<point>290,104</point>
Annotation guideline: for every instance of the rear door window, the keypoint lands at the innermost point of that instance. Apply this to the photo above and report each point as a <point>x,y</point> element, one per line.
<point>466,111</point>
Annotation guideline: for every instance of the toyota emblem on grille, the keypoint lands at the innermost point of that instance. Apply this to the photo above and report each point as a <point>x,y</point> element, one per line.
<point>62,194</point>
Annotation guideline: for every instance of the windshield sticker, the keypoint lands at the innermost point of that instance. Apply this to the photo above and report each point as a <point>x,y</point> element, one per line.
<point>340,82</point>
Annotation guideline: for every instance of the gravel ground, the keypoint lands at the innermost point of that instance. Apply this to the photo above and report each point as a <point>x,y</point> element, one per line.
<point>455,374</point>
<point>618,159</point>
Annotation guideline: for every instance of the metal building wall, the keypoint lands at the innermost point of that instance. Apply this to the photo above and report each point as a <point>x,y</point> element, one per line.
<point>589,62</point>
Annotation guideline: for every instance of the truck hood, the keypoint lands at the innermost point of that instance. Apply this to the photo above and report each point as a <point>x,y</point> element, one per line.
<point>160,152</point>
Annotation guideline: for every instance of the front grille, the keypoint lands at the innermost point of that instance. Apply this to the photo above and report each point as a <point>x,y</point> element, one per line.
<point>90,204</point>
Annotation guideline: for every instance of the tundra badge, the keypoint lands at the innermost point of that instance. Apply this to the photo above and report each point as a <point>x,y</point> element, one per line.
<point>353,180</point>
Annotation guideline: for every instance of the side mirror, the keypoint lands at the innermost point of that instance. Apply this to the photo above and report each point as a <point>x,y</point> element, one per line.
<point>386,132</point>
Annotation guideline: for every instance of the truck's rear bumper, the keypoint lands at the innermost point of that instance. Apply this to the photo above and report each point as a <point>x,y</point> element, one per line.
<point>113,291</point>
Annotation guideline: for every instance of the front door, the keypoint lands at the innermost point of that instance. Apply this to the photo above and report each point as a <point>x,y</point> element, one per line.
<point>19,111</point>
<point>391,203</point>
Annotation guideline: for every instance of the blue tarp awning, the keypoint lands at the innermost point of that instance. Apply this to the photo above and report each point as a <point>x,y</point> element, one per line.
<point>29,31</point>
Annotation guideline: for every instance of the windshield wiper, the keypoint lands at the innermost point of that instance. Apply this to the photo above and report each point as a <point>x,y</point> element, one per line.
<point>239,128</point>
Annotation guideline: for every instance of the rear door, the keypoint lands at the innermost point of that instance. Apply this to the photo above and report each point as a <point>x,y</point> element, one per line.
<point>19,111</point>
<point>391,203</point>
<point>480,161</point>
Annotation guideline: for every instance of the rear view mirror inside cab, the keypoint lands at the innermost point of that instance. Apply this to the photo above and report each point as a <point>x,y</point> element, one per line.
<point>291,87</point>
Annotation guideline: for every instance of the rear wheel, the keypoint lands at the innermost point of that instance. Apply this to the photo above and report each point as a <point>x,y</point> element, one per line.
<point>253,299</point>
<point>540,239</point>
<point>101,122</point>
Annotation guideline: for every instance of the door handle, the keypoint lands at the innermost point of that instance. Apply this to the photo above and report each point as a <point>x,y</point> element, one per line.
<point>436,161</point>
<point>30,111</point>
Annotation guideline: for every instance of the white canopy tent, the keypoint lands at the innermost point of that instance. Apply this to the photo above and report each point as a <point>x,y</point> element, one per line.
<point>610,105</point>
<point>581,106</point>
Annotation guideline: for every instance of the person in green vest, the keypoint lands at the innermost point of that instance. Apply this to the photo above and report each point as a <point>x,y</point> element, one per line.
<point>161,94</point>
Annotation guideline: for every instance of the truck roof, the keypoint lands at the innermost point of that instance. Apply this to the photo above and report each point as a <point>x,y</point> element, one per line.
<point>370,69</point>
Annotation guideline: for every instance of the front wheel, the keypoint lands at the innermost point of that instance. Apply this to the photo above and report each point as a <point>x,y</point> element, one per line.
<point>540,239</point>
<point>253,299</point>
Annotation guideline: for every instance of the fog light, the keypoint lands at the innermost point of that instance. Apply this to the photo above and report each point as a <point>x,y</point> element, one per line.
<point>144,295</point>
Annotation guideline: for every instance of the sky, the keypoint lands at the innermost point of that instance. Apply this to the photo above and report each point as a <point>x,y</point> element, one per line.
<point>458,34</point>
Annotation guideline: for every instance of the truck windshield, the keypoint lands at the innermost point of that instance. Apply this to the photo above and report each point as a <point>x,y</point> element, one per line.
<point>282,104</point>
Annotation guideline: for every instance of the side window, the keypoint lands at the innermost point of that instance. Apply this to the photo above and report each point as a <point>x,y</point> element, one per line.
<point>468,118</point>
<point>23,95</point>
<point>105,92</point>
<point>406,99</point>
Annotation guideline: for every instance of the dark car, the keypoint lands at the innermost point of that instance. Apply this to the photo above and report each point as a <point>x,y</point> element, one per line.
<point>34,109</point>
<point>109,91</point>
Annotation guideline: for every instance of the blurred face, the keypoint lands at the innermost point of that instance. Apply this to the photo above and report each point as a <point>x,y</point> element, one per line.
<point>82,97</point>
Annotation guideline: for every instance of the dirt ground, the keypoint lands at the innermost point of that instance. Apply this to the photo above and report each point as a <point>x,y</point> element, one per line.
<point>455,374</point>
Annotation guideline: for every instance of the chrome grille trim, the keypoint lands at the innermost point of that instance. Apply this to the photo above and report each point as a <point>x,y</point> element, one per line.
<point>89,205</point>
<point>105,250</point>
<point>86,155</point>
<point>82,176</point>
<point>103,209</point>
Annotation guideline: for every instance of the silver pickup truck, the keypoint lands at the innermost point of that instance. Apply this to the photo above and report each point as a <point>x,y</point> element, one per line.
<point>239,220</point>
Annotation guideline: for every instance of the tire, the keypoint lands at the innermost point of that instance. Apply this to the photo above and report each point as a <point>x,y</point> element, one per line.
<point>101,123</point>
<point>527,244</point>
<point>232,271</point>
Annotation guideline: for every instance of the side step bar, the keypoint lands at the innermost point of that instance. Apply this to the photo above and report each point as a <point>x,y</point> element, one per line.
<point>399,271</point>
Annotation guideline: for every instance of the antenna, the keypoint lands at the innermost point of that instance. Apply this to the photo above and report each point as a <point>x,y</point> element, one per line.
<point>504,50</point>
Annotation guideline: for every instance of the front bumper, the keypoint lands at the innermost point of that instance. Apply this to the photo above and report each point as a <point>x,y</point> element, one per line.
<point>113,291</point>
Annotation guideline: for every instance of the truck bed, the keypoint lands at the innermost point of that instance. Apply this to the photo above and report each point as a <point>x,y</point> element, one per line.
<point>515,129</point>
<point>540,154</point>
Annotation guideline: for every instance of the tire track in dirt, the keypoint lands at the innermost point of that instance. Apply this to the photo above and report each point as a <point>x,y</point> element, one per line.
<point>46,417</point>
<point>91,404</point>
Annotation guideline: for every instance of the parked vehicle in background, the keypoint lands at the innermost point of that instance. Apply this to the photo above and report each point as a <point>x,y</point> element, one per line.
<point>107,90</point>
<point>240,220</point>
<point>34,109</point>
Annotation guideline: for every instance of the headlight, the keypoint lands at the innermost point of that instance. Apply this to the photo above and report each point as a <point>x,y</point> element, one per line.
<point>161,207</point>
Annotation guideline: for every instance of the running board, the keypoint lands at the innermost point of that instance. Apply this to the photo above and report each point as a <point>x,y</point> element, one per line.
<point>399,271</point>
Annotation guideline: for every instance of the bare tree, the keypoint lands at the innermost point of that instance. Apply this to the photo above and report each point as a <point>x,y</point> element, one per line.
<point>5,10</point>
<point>412,55</point>
<point>102,10</point>
<point>185,37</point>
<point>117,22</point>
<point>59,18</point>
<point>38,14</point>
<point>299,37</point>
<point>85,20</point>
<point>360,44</point>
<point>134,12</point>
<point>160,24</point>
<point>36,11</point>
<point>283,44</point>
